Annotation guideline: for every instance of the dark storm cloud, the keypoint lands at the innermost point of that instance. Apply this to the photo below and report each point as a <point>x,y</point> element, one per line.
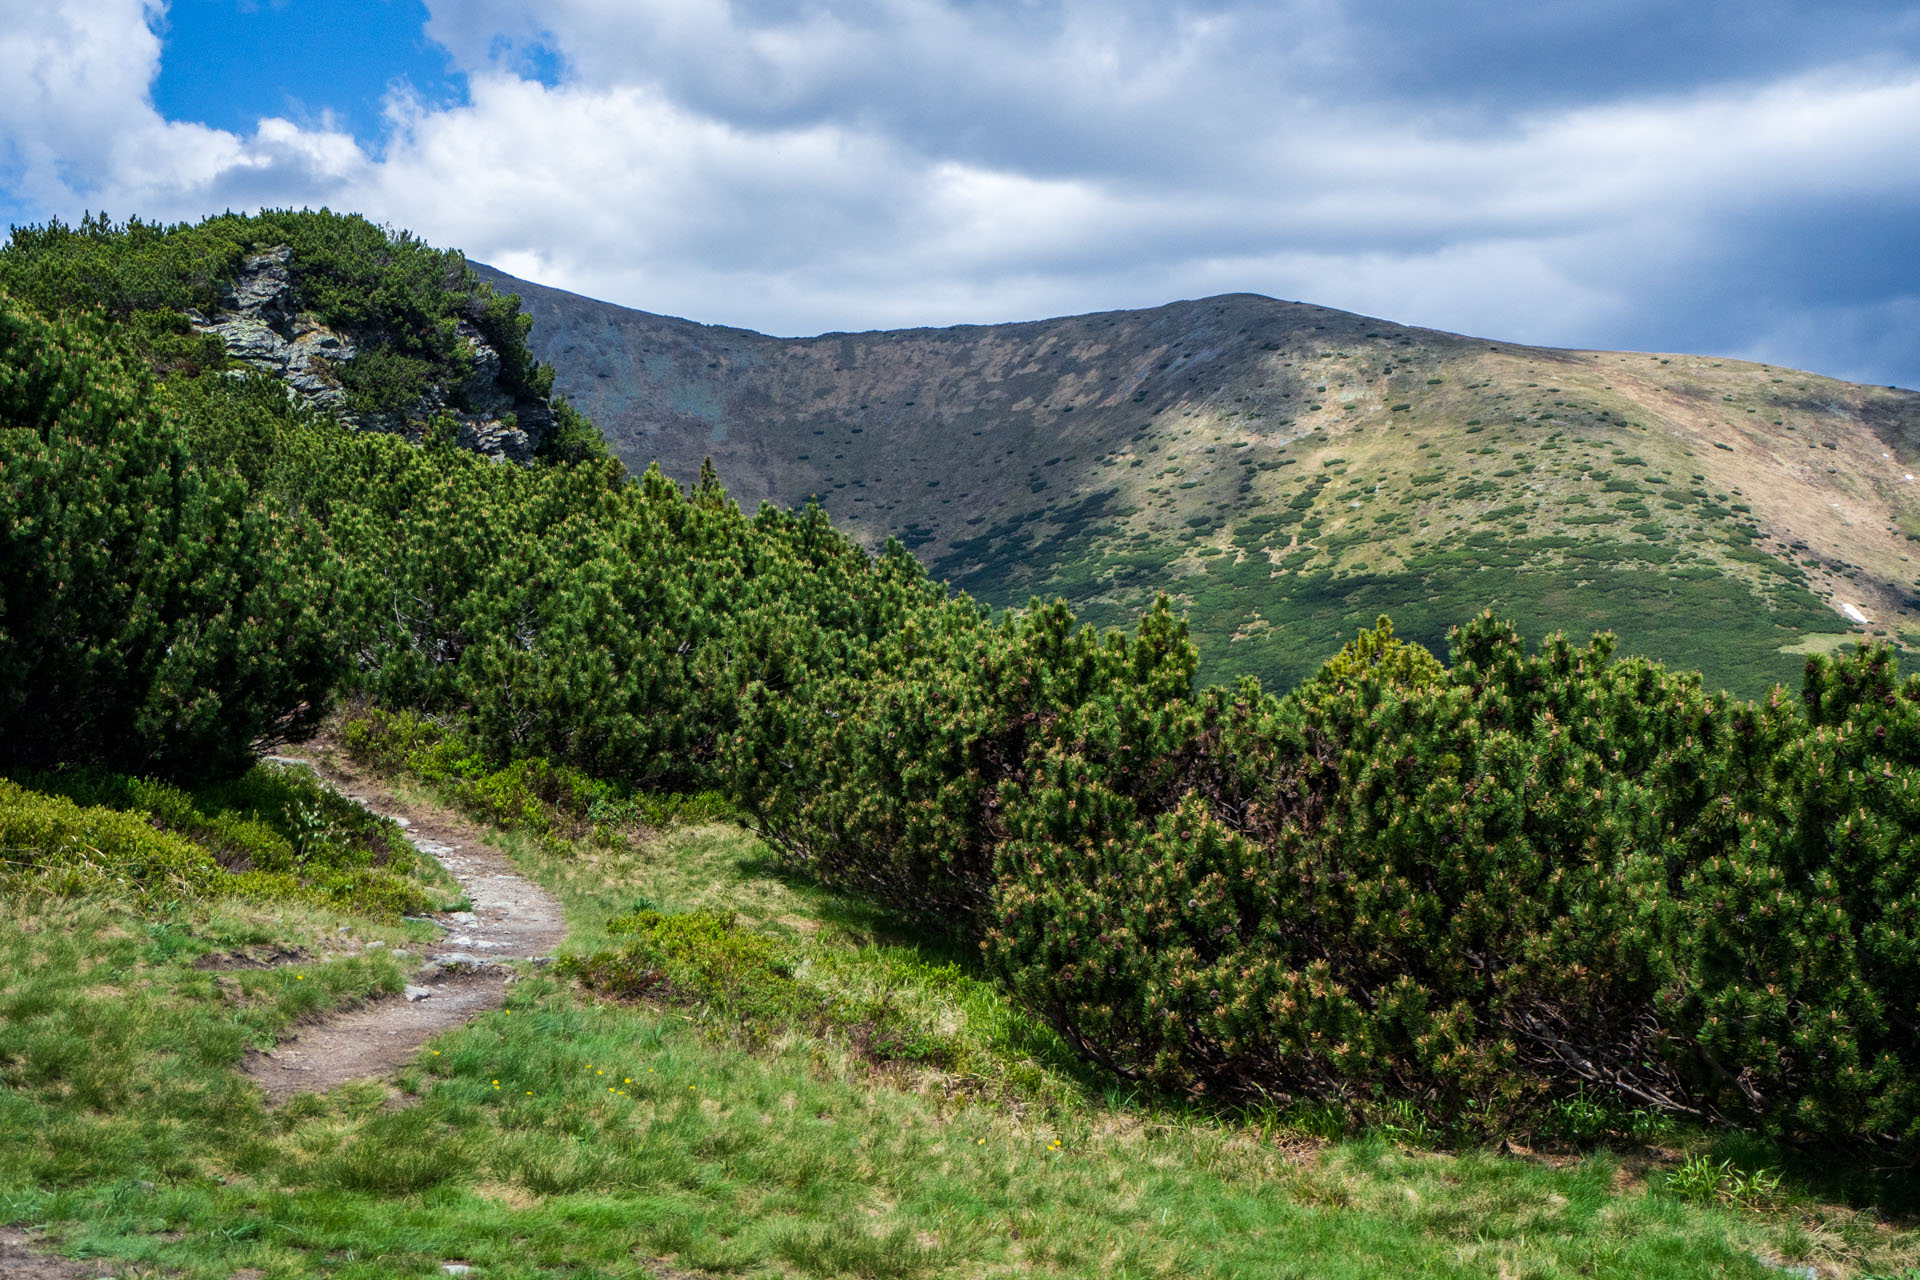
<point>1502,59</point>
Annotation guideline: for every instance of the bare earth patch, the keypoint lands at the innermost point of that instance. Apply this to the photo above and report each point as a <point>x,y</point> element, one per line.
<point>512,919</point>
<point>18,1261</point>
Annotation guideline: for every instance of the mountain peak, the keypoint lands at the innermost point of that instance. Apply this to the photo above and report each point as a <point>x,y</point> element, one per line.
<point>1291,470</point>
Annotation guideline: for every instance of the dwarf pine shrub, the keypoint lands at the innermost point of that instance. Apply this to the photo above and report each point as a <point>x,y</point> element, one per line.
<point>152,615</point>
<point>1521,876</point>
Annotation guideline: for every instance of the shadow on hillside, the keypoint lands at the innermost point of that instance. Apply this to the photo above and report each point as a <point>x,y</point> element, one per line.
<point>1867,1182</point>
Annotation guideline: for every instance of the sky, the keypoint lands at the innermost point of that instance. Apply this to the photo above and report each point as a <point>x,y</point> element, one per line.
<point>1737,179</point>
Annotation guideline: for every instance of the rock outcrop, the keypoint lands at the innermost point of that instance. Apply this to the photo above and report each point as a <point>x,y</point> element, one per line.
<point>260,321</point>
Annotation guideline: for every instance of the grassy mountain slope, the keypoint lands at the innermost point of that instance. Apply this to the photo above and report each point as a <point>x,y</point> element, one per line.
<point>1289,471</point>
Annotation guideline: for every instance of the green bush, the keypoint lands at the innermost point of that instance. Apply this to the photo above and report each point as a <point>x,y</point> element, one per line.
<point>271,834</point>
<point>1480,887</point>
<point>152,615</point>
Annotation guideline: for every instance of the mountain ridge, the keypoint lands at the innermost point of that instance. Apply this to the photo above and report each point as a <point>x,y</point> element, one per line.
<point>1288,469</point>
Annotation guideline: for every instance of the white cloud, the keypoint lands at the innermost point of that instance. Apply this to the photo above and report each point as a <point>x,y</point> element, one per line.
<point>79,130</point>
<point>797,168</point>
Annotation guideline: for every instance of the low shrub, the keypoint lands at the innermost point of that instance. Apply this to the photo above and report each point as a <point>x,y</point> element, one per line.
<point>1479,887</point>
<point>749,979</point>
<point>154,616</point>
<point>52,844</point>
<point>271,834</point>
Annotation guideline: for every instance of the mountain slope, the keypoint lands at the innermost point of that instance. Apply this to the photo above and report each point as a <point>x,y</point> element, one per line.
<point>1289,471</point>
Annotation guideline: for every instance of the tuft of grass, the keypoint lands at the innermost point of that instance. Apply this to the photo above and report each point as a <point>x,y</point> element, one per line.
<point>272,834</point>
<point>1700,1180</point>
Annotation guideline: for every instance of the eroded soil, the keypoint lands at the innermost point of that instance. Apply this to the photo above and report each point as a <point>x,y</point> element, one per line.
<point>20,1260</point>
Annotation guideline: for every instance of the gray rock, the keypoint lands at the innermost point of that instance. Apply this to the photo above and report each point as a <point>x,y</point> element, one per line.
<point>264,285</point>
<point>418,993</point>
<point>260,322</point>
<point>253,340</point>
<point>481,394</point>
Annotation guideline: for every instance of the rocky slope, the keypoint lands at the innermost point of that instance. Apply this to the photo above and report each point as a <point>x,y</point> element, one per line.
<point>262,324</point>
<point>1289,471</point>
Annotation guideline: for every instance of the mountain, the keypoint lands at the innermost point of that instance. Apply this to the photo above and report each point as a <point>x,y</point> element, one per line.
<point>1289,471</point>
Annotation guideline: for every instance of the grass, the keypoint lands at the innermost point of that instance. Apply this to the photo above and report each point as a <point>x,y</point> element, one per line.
<point>272,834</point>
<point>689,1132</point>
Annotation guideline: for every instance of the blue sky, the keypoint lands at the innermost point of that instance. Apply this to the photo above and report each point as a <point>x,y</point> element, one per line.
<point>1735,179</point>
<point>227,64</point>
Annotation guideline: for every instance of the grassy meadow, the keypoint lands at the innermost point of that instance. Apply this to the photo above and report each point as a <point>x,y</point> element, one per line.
<point>791,1086</point>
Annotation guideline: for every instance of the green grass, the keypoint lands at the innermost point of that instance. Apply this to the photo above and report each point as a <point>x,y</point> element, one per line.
<point>570,1135</point>
<point>1659,605</point>
<point>272,834</point>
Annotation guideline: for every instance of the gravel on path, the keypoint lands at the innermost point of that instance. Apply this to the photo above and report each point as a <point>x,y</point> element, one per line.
<point>464,974</point>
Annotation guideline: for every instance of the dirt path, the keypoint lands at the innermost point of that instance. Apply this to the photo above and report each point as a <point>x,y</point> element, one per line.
<point>21,1259</point>
<point>512,919</point>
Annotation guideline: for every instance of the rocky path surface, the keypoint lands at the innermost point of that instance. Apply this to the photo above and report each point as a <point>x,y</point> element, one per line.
<point>463,975</point>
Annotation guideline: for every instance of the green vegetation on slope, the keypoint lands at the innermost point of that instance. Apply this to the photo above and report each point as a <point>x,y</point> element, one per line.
<point>1478,894</point>
<point>1334,467</point>
<point>1300,542</point>
<point>400,298</point>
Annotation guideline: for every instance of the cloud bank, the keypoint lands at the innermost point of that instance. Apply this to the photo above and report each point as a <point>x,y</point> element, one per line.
<point>1739,180</point>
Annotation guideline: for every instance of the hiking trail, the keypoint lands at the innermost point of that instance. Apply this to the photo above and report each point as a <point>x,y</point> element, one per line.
<point>463,974</point>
